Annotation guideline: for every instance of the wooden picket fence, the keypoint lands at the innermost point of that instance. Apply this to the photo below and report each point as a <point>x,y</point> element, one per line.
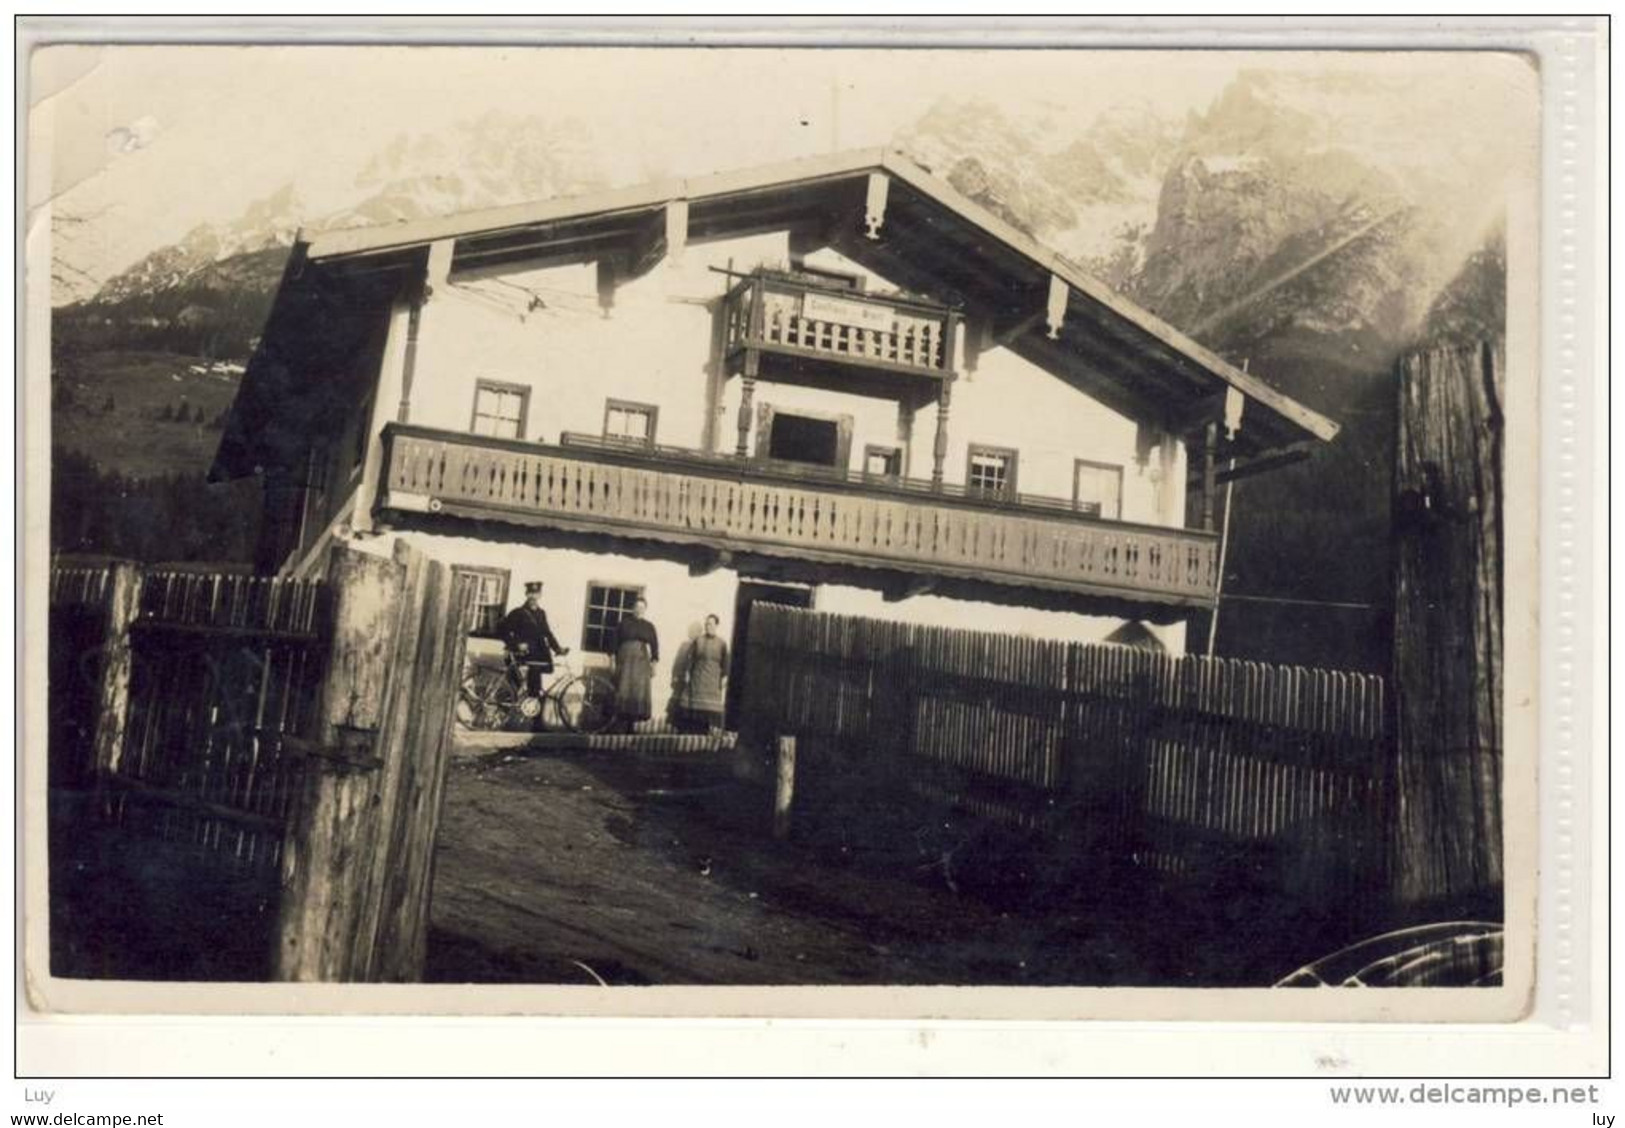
<point>222,673</point>
<point>78,617</point>
<point>261,759</point>
<point>1176,765</point>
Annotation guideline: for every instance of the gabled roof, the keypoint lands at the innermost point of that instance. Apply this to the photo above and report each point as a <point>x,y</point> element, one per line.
<point>932,239</point>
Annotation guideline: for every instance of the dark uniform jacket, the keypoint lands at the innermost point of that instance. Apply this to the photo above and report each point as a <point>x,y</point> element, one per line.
<point>524,627</point>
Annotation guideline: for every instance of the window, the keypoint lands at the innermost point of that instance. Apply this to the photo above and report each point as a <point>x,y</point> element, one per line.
<point>499,409</point>
<point>883,461</point>
<point>490,599</point>
<point>607,605</point>
<point>991,470</point>
<point>1097,489</point>
<point>799,436</point>
<point>630,422</point>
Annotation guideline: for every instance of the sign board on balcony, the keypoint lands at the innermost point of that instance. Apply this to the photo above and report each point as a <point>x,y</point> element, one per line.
<point>840,311</point>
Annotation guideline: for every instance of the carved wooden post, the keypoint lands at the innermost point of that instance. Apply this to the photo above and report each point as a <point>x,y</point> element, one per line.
<point>113,696</point>
<point>747,397</point>
<point>753,360</point>
<point>939,449</point>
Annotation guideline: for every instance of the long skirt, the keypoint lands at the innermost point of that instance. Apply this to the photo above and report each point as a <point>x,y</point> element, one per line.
<point>632,676</point>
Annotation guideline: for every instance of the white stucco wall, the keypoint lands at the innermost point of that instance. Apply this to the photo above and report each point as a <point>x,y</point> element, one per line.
<point>679,602</point>
<point>655,344</point>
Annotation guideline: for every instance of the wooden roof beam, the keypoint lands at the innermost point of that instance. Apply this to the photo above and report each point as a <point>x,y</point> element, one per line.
<point>874,204</point>
<point>1272,459</point>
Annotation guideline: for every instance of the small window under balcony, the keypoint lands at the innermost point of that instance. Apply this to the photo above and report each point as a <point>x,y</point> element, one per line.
<point>628,422</point>
<point>883,461</point>
<point>991,471</point>
<point>499,409</point>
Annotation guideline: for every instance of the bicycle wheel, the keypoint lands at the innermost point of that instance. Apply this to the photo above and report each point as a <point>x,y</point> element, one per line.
<point>567,697</point>
<point>486,700</point>
<point>586,703</point>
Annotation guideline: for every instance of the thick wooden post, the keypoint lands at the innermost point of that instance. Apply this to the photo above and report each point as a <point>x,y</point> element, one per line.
<point>1447,630</point>
<point>356,865</point>
<point>784,786</point>
<point>324,862</point>
<point>416,747</point>
<point>113,695</point>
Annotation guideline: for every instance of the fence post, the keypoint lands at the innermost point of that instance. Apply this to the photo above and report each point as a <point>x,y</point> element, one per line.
<point>332,827</point>
<point>358,857</point>
<point>784,786</point>
<point>1447,628</point>
<point>113,696</point>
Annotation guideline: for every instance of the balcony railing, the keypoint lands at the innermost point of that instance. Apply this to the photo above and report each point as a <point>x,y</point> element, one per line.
<point>775,314</point>
<point>743,506</point>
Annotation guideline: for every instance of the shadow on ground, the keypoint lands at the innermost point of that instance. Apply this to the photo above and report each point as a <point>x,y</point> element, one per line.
<point>568,869</point>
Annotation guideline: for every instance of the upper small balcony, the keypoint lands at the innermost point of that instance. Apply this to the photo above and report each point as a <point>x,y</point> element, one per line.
<point>810,318</point>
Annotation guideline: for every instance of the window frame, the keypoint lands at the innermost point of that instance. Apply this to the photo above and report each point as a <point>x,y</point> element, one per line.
<point>766,413</point>
<point>892,451</point>
<point>587,626</point>
<point>650,409</point>
<point>1012,458</point>
<point>521,390</point>
<point>1116,468</point>
<point>505,575</point>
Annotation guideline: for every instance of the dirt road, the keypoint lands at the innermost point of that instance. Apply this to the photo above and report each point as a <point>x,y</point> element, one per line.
<point>563,868</point>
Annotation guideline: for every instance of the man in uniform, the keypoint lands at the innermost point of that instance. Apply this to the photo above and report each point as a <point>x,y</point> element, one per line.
<point>529,639</point>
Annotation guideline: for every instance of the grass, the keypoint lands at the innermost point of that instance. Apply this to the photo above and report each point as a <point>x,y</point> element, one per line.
<point>131,439</point>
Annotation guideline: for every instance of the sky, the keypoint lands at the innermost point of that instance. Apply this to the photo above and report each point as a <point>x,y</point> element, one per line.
<point>143,143</point>
<point>154,140</point>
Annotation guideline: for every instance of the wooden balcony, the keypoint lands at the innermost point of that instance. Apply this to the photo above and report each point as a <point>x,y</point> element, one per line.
<point>775,314</point>
<point>874,526</point>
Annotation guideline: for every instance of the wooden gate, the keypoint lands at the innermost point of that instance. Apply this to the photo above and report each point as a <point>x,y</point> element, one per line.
<point>266,756</point>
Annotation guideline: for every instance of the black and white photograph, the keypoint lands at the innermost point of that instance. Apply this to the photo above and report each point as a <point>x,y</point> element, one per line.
<point>617,519</point>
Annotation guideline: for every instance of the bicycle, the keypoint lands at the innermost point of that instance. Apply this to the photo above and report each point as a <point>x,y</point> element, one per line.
<point>497,699</point>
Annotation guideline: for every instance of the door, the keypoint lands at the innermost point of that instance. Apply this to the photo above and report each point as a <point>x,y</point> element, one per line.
<point>751,593</point>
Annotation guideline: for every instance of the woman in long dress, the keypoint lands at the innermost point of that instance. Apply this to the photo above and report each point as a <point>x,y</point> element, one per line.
<point>703,678</point>
<point>637,649</point>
